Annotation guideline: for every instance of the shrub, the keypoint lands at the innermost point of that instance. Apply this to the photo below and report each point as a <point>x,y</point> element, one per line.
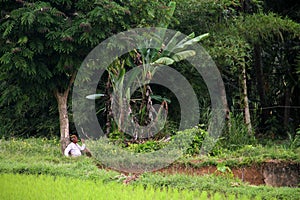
<point>237,134</point>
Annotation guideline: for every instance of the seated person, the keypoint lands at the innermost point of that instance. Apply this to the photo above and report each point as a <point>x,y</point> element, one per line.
<point>73,148</point>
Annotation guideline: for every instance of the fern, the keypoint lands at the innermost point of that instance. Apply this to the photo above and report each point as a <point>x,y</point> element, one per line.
<point>5,58</point>
<point>27,53</point>
<point>8,26</point>
<point>36,46</point>
<point>27,19</point>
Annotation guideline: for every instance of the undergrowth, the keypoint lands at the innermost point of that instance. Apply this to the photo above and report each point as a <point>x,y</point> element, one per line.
<point>37,156</point>
<point>246,156</point>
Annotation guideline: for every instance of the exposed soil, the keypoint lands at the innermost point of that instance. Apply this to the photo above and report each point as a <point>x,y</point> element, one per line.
<point>271,173</point>
<point>281,173</point>
<point>252,175</point>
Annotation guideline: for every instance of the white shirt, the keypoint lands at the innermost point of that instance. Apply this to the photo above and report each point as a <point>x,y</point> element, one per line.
<point>74,149</point>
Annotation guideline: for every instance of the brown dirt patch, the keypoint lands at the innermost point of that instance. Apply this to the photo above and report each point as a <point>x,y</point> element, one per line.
<point>272,172</point>
<point>252,174</point>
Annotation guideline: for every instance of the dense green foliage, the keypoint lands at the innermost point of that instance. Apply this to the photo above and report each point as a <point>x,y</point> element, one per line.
<point>45,42</point>
<point>244,34</point>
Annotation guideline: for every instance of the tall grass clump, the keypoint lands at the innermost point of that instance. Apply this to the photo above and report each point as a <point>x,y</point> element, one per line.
<point>236,135</point>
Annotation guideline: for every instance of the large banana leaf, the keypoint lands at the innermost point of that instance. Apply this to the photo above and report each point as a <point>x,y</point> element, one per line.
<point>183,55</point>
<point>183,45</point>
<point>164,61</point>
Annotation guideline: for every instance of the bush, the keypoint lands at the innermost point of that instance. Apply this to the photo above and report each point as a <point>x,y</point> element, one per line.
<point>237,134</point>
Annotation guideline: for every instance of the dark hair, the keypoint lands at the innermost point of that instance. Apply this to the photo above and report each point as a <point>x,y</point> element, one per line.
<point>72,137</point>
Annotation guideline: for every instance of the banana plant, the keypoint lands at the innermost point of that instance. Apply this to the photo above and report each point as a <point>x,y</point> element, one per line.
<point>148,60</point>
<point>176,51</point>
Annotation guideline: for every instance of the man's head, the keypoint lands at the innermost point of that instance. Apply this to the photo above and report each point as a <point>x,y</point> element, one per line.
<point>74,138</point>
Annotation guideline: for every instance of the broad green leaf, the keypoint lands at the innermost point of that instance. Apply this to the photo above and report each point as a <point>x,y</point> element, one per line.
<point>164,61</point>
<point>172,43</point>
<point>193,41</point>
<point>190,36</point>
<point>183,55</point>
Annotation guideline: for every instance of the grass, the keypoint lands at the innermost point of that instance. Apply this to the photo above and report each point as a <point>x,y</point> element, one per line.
<point>42,156</point>
<point>49,187</point>
<point>34,157</point>
<point>245,156</point>
<point>213,183</point>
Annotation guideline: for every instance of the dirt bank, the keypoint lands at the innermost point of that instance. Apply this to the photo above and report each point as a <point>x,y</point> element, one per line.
<point>271,173</point>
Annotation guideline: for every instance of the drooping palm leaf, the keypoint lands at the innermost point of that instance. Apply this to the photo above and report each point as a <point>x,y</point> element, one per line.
<point>183,45</point>
<point>183,55</point>
<point>164,61</point>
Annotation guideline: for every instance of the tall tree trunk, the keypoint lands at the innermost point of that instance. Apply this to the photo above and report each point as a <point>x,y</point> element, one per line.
<point>245,99</point>
<point>225,103</point>
<point>62,99</point>
<point>62,103</point>
<point>260,79</point>
<point>108,103</point>
<point>287,108</point>
<point>246,9</point>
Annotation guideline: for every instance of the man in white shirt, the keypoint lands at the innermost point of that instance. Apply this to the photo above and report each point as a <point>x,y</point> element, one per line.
<point>73,148</point>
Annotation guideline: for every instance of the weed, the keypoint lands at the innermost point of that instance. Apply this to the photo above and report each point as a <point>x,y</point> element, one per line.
<point>225,170</point>
<point>294,141</point>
